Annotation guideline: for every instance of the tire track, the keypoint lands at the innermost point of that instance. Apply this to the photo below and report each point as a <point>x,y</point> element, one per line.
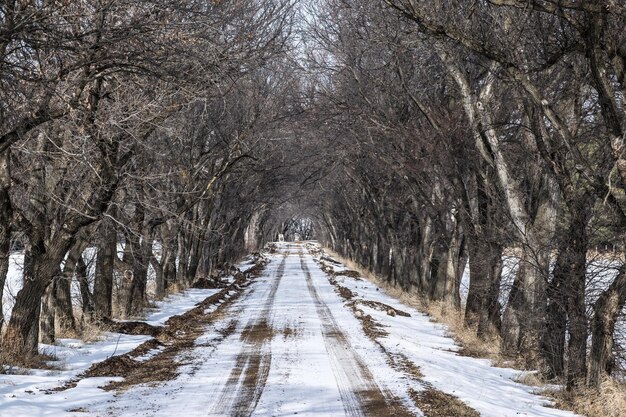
<point>360,394</point>
<point>247,379</point>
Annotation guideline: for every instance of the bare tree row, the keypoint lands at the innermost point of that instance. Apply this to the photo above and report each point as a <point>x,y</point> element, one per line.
<point>126,130</point>
<point>460,130</point>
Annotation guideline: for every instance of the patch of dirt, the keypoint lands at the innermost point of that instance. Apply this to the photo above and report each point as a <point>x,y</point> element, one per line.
<point>207,283</point>
<point>132,327</point>
<point>402,363</point>
<point>375,403</point>
<point>346,293</point>
<point>116,365</point>
<point>371,327</point>
<point>259,332</point>
<point>289,332</point>
<point>435,403</point>
<point>391,311</point>
<point>255,270</point>
<point>348,273</point>
<point>178,335</point>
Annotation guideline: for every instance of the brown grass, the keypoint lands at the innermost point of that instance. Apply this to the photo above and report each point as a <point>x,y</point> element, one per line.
<point>609,400</point>
<point>9,364</point>
<point>91,332</point>
<point>464,336</point>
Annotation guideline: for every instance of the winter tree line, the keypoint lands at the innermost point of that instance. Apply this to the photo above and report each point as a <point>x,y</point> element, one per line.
<point>460,131</point>
<point>131,129</point>
<point>419,138</point>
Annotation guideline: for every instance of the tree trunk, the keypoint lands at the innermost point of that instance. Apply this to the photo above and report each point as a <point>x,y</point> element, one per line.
<point>46,321</point>
<point>184,241</point>
<point>105,261</point>
<point>575,292</point>
<point>425,254</point>
<point>168,262</point>
<point>194,260</point>
<point>553,337</point>
<point>524,317</point>
<point>447,281</point>
<point>64,308</point>
<point>160,277</point>
<point>490,321</point>
<point>606,310</point>
<point>22,333</point>
<point>85,293</point>
<point>137,293</point>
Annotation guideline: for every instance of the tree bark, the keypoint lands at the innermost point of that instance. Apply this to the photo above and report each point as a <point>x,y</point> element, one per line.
<point>22,333</point>
<point>159,277</point>
<point>137,293</point>
<point>47,319</point>
<point>85,293</point>
<point>553,338</point>
<point>105,261</point>
<point>63,307</point>
<point>575,292</point>
<point>447,281</point>
<point>606,311</point>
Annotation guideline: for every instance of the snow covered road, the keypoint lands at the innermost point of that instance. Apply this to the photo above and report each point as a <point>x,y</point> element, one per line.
<point>302,339</point>
<point>285,354</point>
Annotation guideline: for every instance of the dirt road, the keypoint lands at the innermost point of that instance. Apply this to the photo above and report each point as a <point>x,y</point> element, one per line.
<point>298,341</point>
<point>293,356</point>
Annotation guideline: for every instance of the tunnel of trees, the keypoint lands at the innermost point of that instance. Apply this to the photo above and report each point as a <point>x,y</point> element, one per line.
<point>417,139</point>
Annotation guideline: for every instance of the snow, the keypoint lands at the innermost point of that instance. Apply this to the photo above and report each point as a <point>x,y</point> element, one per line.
<point>309,375</point>
<point>27,394</point>
<point>302,378</point>
<point>315,359</point>
<point>13,283</point>
<point>177,304</point>
<point>492,391</point>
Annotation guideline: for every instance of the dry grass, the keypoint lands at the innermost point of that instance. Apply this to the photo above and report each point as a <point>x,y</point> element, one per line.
<point>24,364</point>
<point>466,337</point>
<point>91,332</point>
<point>607,401</point>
